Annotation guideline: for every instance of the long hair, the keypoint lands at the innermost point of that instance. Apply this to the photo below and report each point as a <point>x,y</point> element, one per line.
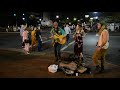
<point>102,28</point>
<point>80,28</point>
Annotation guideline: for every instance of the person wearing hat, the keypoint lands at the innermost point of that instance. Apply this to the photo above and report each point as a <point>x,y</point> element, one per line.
<point>101,47</point>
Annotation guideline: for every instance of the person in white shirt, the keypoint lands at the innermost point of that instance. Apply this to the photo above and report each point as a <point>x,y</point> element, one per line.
<point>67,31</point>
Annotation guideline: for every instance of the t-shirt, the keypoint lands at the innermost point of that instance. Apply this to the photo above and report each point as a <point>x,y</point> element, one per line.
<point>59,31</point>
<point>37,34</point>
<point>100,40</point>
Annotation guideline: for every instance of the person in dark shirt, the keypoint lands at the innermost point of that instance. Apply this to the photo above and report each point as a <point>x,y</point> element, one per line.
<point>39,39</point>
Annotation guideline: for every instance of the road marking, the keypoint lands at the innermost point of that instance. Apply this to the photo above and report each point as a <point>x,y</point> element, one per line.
<point>66,46</point>
<point>46,41</point>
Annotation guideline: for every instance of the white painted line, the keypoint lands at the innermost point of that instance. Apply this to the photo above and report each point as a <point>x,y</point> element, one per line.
<point>66,46</point>
<point>46,41</point>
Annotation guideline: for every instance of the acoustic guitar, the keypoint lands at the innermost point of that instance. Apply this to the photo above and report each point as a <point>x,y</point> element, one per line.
<point>71,66</point>
<point>59,38</point>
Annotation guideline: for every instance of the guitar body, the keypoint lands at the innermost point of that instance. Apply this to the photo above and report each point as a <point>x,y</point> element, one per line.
<point>72,65</point>
<point>60,39</point>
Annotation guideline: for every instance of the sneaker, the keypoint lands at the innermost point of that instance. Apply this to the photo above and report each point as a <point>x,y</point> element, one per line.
<point>27,53</point>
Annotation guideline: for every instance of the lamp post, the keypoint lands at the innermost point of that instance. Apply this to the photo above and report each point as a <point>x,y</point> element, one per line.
<point>57,16</point>
<point>86,17</point>
<point>15,19</point>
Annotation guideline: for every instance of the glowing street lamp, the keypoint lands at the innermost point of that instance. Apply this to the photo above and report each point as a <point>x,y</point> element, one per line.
<point>16,18</point>
<point>57,16</point>
<point>75,19</point>
<point>91,18</point>
<point>14,14</point>
<point>40,19</point>
<point>67,17</point>
<point>86,16</point>
<point>23,14</point>
<point>23,18</point>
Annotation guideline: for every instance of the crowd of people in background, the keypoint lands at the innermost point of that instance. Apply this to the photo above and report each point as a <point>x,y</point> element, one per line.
<point>30,38</point>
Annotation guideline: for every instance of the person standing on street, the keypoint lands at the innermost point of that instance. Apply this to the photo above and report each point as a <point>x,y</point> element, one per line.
<point>78,47</point>
<point>67,31</point>
<point>33,39</point>
<point>39,39</point>
<point>21,33</point>
<point>26,40</point>
<point>57,46</point>
<point>102,47</point>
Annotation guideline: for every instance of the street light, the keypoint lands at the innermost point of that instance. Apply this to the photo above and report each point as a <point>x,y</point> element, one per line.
<point>40,19</point>
<point>75,19</point>
<point>91,18</point>
<point>69,23</point>
<point>14,14</point>
<point>86,16</point>
<point>23,14</point>
<point>57,16</point>
<point>67,17</point>
<point>23,18</point>
<point>15,18</point>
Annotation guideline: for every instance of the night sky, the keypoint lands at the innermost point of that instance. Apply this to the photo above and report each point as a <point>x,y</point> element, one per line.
<point>8,17</point>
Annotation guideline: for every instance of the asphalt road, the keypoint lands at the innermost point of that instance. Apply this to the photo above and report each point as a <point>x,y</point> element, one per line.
<point>13,40</point>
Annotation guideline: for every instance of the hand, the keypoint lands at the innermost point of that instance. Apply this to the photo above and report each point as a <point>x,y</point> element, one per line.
<point>41,40</point>
<point>60,39</point>
<point>98,48</point>
<point>96,43</point>
<point>51,37</point>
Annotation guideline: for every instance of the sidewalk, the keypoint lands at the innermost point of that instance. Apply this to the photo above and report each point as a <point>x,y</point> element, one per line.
<point>17,65</point>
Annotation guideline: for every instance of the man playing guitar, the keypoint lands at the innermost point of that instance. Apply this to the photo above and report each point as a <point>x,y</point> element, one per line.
<point>58,36</point>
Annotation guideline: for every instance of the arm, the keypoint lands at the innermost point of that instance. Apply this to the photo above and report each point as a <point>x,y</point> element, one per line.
<point>74,37</point>
<point>83,33</point>
<point>40,36</point>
